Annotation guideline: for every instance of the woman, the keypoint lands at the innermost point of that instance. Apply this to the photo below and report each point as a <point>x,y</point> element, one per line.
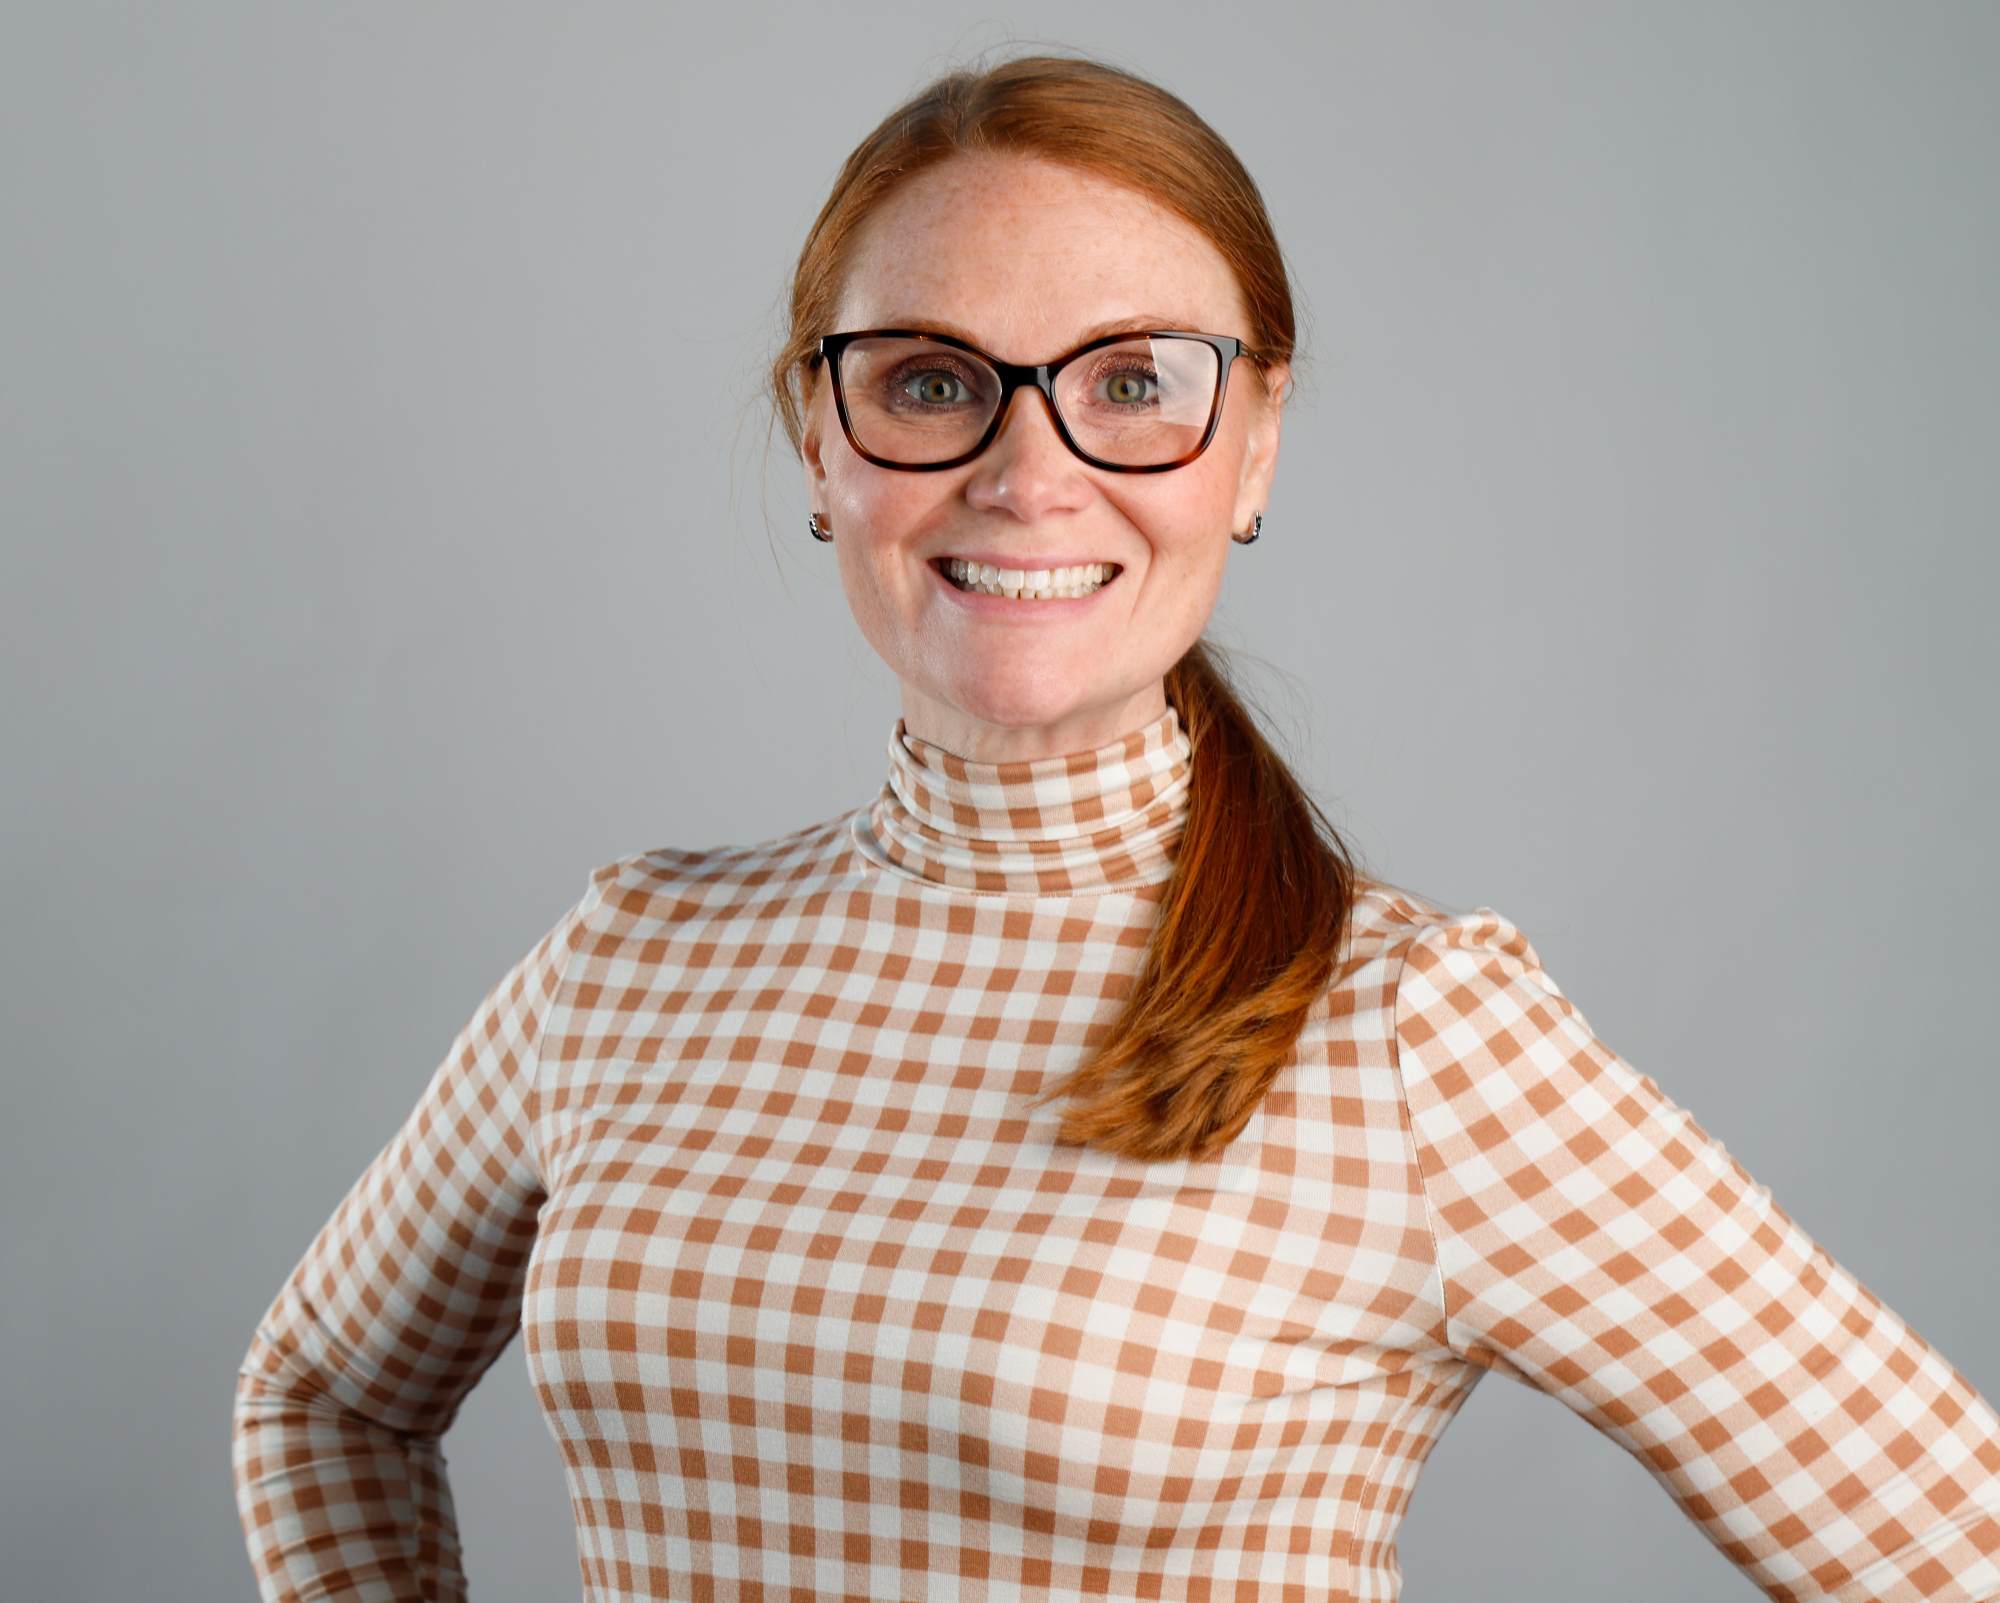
<point>1066,1174</point>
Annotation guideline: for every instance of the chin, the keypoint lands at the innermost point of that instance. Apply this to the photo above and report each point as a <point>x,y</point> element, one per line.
<point>1033,703</point>
<point>1027,711</point>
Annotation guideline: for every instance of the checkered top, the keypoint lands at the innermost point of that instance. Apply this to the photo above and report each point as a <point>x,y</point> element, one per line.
<point>815,1308</point>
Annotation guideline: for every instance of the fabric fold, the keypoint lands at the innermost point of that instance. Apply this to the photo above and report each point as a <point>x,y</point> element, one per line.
<point>1109,819</point>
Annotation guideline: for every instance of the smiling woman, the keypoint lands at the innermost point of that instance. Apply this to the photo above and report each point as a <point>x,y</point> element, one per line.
<point>1064,1174</point>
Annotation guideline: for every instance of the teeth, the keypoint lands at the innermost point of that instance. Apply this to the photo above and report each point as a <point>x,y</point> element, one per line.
<point>1032,584</point>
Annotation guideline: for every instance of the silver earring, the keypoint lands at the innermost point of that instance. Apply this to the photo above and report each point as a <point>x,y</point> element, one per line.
<point>818,532</point>
<point>1256,528</point>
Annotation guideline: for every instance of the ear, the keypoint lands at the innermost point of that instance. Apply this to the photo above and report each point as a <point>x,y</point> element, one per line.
<point>812,438</point>
<point>1260,456</point>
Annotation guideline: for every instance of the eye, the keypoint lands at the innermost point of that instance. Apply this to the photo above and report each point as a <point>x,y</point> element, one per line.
<point>1130,383</point>
<point>936,387</point>
<point>929,386</point>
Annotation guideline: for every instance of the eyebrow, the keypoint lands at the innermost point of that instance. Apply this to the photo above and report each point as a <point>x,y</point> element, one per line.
<point>1117,325</point>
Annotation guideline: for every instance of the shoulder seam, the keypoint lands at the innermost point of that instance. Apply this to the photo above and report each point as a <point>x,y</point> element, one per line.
<point>729,854</point>
<point>572,927</point>
<point>1417,937</point>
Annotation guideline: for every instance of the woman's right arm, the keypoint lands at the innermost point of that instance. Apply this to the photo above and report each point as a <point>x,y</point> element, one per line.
<point>405,1298</point>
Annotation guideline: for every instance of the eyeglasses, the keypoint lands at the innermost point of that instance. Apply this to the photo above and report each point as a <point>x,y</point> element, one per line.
<point>1141,402</point>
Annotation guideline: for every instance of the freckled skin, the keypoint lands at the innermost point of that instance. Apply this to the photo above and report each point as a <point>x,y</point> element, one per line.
<point>1027,255</point>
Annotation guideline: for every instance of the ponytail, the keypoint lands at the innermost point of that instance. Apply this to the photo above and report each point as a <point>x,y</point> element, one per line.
<point>1245,944</point>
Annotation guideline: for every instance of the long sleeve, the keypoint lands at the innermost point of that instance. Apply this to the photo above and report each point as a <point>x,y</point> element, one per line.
<point>1596,1243</point>
<point>405,1298</point>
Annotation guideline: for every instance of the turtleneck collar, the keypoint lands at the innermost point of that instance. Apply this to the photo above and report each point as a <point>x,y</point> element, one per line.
<point>1103,820</point>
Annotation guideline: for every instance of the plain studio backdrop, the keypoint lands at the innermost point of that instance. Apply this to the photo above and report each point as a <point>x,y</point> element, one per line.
<point>391,536</point>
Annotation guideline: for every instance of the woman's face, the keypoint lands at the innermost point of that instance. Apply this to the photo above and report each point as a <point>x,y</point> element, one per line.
<point>1026,259</point>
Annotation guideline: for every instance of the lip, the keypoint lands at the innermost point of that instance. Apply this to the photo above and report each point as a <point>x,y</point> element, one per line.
<point>997,606</point>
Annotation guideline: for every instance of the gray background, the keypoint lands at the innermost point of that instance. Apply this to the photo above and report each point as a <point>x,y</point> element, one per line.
<point>390,537</point>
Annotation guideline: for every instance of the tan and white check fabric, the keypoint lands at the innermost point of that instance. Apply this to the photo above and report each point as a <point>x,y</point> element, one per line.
<point>815,1308</point>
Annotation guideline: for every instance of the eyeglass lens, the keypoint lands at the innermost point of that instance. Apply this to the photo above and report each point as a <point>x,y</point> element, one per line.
<point>1137,403</point>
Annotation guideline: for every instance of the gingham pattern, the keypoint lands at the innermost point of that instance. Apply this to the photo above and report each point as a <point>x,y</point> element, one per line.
<point>815,1308</point>
<point>1083,822</point>
<point>1596,1242</point>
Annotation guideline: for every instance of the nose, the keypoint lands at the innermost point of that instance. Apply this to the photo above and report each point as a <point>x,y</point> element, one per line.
<point>1018,434</point>
<point>1027,470</point>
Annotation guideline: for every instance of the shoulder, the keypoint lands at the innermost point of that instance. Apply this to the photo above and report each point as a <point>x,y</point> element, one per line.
<point>1395,923</point>
<point>672,885</point>
<point>1467,1000</point>
<point>1433,965</point>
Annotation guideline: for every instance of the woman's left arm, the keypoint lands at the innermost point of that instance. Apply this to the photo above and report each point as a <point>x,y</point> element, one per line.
<point>1596,1243</point>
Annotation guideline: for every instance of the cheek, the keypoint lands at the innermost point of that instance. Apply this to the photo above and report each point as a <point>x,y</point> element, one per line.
<point>1187,530</point>
<point>862,580</point>
<point>881,587</point>
<point>1199,582</point>
<point>880,508</point>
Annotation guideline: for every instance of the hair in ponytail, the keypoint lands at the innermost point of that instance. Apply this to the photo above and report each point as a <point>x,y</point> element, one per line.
<point>1245,944</point>
<point>1252,920</point>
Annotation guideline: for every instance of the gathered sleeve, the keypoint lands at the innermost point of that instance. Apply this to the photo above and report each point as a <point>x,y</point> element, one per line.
<point>405,1298</point>
<point>1596,1243</point>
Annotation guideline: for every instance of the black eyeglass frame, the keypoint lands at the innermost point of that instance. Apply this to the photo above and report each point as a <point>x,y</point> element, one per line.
<point>1040,376</point>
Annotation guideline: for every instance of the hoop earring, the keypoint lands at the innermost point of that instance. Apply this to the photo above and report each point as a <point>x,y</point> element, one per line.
<point>819,530</point>
<point>1256,528</point>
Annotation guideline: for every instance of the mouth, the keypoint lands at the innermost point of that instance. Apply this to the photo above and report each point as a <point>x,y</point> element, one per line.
<point>1071,583</point>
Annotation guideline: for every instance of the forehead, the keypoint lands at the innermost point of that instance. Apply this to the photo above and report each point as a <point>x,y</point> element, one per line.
<point>1025,256</point>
